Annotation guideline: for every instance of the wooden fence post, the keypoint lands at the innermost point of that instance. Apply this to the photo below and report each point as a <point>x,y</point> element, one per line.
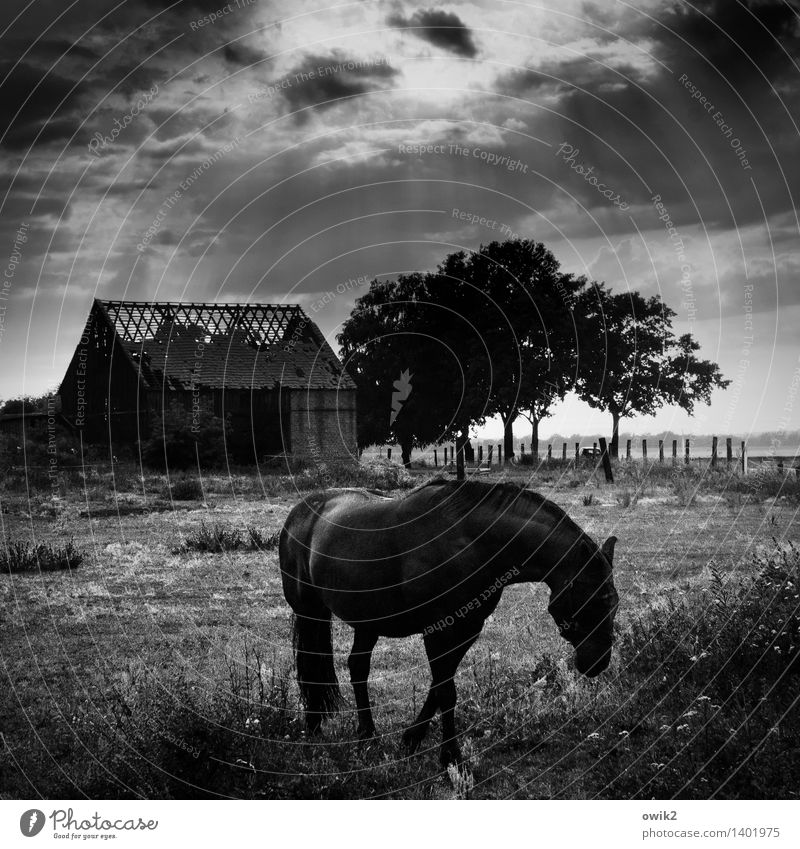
<point>644,450</point>
<point>577,452</point>
<point>744,457</point>
<point>606,460</point>
<point>490,451</point>
<point>660,450</point>
<point>564,452</point>
<point>549,453</point>
<point>435,458</point>
<point>522,448</point>
<point>628,450</point>
<point>388,453</point>
<point>445,455</point>
<point>499,455</point>
<point>674,451</point>
<point>729,450</point>
<point>687,452</point>
<point>713,451</point>
<point>780,465</point>
<point>480,455</point>
<point>594,448</point>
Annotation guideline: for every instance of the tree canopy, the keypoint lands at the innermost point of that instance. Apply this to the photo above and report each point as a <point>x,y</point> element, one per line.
<point>503,331</point>
<point>630,361</point>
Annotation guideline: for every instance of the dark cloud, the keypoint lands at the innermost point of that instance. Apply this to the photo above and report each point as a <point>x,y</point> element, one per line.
<point>440,28</point>
<point>36,102</point>
<point>321,81</point>
<point>242,55</point>
<point>640,123</point>
<point>730,36</point>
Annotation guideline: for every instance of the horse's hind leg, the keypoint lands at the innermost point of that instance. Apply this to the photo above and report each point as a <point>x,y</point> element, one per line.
<point>359,662</point>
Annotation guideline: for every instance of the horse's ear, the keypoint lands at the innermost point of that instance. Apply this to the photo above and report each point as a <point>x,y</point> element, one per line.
<point>608,548</point>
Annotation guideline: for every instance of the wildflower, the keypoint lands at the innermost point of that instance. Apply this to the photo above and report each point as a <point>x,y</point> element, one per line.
<point>657,766</point>
<point>623,733</point>
<point>684,727</point>
<point>664,728</point>
<point>593,736</point>
<point>704,698</point>
<point>690,713</point>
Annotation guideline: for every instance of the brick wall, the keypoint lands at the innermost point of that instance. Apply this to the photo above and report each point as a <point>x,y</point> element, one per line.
<point>323,423</point>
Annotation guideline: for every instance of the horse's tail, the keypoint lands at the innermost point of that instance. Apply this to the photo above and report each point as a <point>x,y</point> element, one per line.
<point>319,687</point>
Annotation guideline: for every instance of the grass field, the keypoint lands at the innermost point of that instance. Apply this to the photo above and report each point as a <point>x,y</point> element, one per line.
<point>153,669</point>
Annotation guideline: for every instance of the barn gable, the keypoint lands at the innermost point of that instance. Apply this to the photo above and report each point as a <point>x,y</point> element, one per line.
<point>266,367</point>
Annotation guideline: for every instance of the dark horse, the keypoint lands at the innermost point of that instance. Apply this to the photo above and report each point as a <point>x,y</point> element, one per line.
<point>433,563</point>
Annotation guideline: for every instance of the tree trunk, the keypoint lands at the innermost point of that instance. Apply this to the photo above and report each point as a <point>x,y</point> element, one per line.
<point>406,445</point>
<point>534,437</point>
<point>508,436</point>
<point>614,447</point>
<point>461,441</point>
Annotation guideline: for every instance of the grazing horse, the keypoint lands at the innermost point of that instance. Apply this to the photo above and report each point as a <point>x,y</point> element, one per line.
<point>435,563</point>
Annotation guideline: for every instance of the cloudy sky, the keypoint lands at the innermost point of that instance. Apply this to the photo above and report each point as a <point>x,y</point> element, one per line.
<point>265,151</point>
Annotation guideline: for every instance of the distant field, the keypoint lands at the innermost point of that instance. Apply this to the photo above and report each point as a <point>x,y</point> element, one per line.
<point>138,628</point>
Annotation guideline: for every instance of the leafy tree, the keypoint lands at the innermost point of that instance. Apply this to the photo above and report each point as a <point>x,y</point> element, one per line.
<point>522,307</point>
<point>631,362</point>
<point>399,328</point>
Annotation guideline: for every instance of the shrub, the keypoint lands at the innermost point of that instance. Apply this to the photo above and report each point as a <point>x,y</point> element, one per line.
<point>373,474</point>
<point>217,540</point>
<point>184,489</point>
<point>587,499</point>
<point>685,483</point>
<point>625,498</point>
<point>23,557</point>
<point>181,438</point>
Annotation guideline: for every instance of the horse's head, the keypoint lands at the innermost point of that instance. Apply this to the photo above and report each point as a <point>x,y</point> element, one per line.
<point>583,603</point>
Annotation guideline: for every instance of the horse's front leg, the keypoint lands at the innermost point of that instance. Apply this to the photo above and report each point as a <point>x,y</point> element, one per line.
<point>415,733</point>
<point>445,650</point>
<point>359,662</point>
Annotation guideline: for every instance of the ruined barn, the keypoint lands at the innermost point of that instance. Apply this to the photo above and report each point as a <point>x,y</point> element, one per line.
<point>266,369</point>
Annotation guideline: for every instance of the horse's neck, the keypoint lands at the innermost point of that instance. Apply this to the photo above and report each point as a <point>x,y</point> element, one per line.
<point>544,556</point>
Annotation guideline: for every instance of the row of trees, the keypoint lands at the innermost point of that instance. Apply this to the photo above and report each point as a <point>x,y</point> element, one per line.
<point>503,331</point>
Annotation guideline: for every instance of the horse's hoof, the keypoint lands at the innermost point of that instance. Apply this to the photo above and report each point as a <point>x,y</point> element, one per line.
<point>366,735</point>
<point>412,738</point>
<point>450,755</point>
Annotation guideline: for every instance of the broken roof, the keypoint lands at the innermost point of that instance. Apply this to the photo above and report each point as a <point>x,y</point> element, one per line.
<point>182,346</point>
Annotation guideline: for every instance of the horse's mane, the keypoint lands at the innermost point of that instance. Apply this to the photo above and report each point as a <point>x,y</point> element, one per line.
<point>506,497</point>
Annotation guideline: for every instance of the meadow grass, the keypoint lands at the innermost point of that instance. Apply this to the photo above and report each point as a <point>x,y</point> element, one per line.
<point>160,674</point>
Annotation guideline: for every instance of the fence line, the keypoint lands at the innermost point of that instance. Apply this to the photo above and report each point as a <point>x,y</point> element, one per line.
<point>485,456</point>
